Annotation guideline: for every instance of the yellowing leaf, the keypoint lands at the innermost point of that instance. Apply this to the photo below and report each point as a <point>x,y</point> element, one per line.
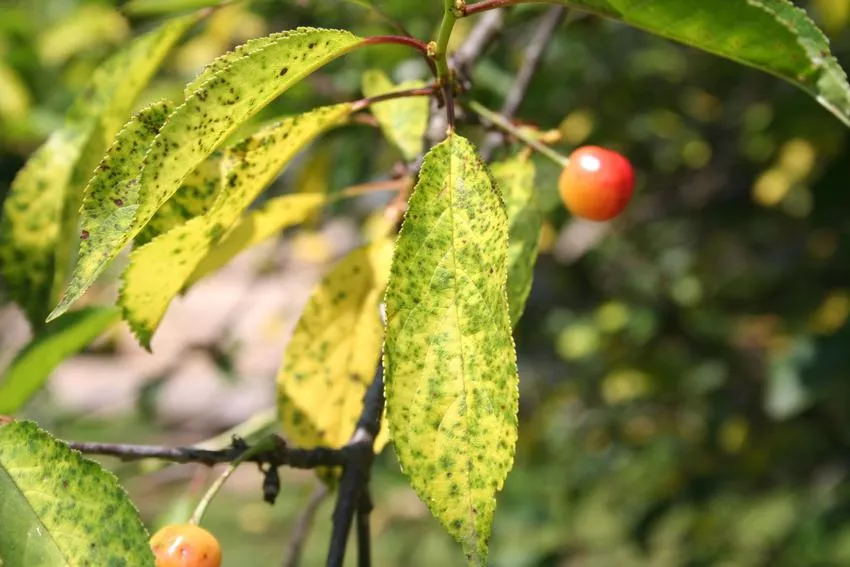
<point>257,226</point>
<point>515,177</point>
<point>160,269</point>
<point>334,351</point>
<point>40,211</point>
<point>403,120</point>
<point>112,198</point>
<point>232,93</point>
<point>60,509</point>
<point>451,376</point>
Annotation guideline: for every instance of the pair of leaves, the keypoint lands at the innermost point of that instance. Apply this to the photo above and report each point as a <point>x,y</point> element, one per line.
<point>159,270</point>
<point>227,93</point>
<point>451,375</point>
<point>772,35</point>
<point>70,512</point>
<point>40,210</point>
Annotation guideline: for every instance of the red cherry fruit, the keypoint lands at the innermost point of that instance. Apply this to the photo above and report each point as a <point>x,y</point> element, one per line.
<point>185,545</point>
<point>596,184</point>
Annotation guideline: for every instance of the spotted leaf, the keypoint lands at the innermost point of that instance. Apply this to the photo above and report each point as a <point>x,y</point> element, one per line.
<point>334,351</point>
<point>159,270</point>
<point>60,509</point>
<point>451,375</point>
<point>112,199</point>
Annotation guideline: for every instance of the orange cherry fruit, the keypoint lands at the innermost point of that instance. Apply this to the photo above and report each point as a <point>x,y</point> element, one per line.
<point>597,183</point>
<point>185,545</point>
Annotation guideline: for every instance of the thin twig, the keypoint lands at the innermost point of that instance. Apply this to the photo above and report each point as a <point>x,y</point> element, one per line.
<point>479,39</point>
<point>543,33</point>
<point>303,525</point>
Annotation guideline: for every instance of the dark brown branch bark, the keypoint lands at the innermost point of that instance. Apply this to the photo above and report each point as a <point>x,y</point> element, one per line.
<point>279,456</point>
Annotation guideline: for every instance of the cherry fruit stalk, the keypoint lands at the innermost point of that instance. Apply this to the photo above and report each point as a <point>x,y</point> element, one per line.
<point>597,183</point>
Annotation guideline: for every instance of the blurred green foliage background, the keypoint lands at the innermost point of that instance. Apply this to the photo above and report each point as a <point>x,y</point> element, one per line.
<point>685,372</point>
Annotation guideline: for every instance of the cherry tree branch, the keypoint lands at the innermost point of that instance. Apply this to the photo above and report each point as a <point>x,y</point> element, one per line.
<point>280,455</point>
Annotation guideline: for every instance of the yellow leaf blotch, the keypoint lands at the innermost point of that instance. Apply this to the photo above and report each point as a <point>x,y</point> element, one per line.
<point>334,351</point>
<point>159,270</point>
<point>451,375</point>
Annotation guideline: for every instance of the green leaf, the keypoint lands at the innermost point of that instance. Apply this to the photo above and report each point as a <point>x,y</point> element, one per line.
<point>334,351</point>
<point>194,198</point>
<point>112,199</point>
<point>162,268</point>
<point>403,120</point>
<point>59,509</point>
<point>40,210</point>
<point>515,178</point>
<point>451,376</point>
<point>257,226</point>
<point>59,340</point>
<point>228,97</point>
<point>772,35</point>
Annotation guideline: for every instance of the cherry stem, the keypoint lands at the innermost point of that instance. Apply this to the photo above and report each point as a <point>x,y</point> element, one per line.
<point>264,445</point>
<point>417,44</point>
<point>502,123</point>
<point>429,90</point>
